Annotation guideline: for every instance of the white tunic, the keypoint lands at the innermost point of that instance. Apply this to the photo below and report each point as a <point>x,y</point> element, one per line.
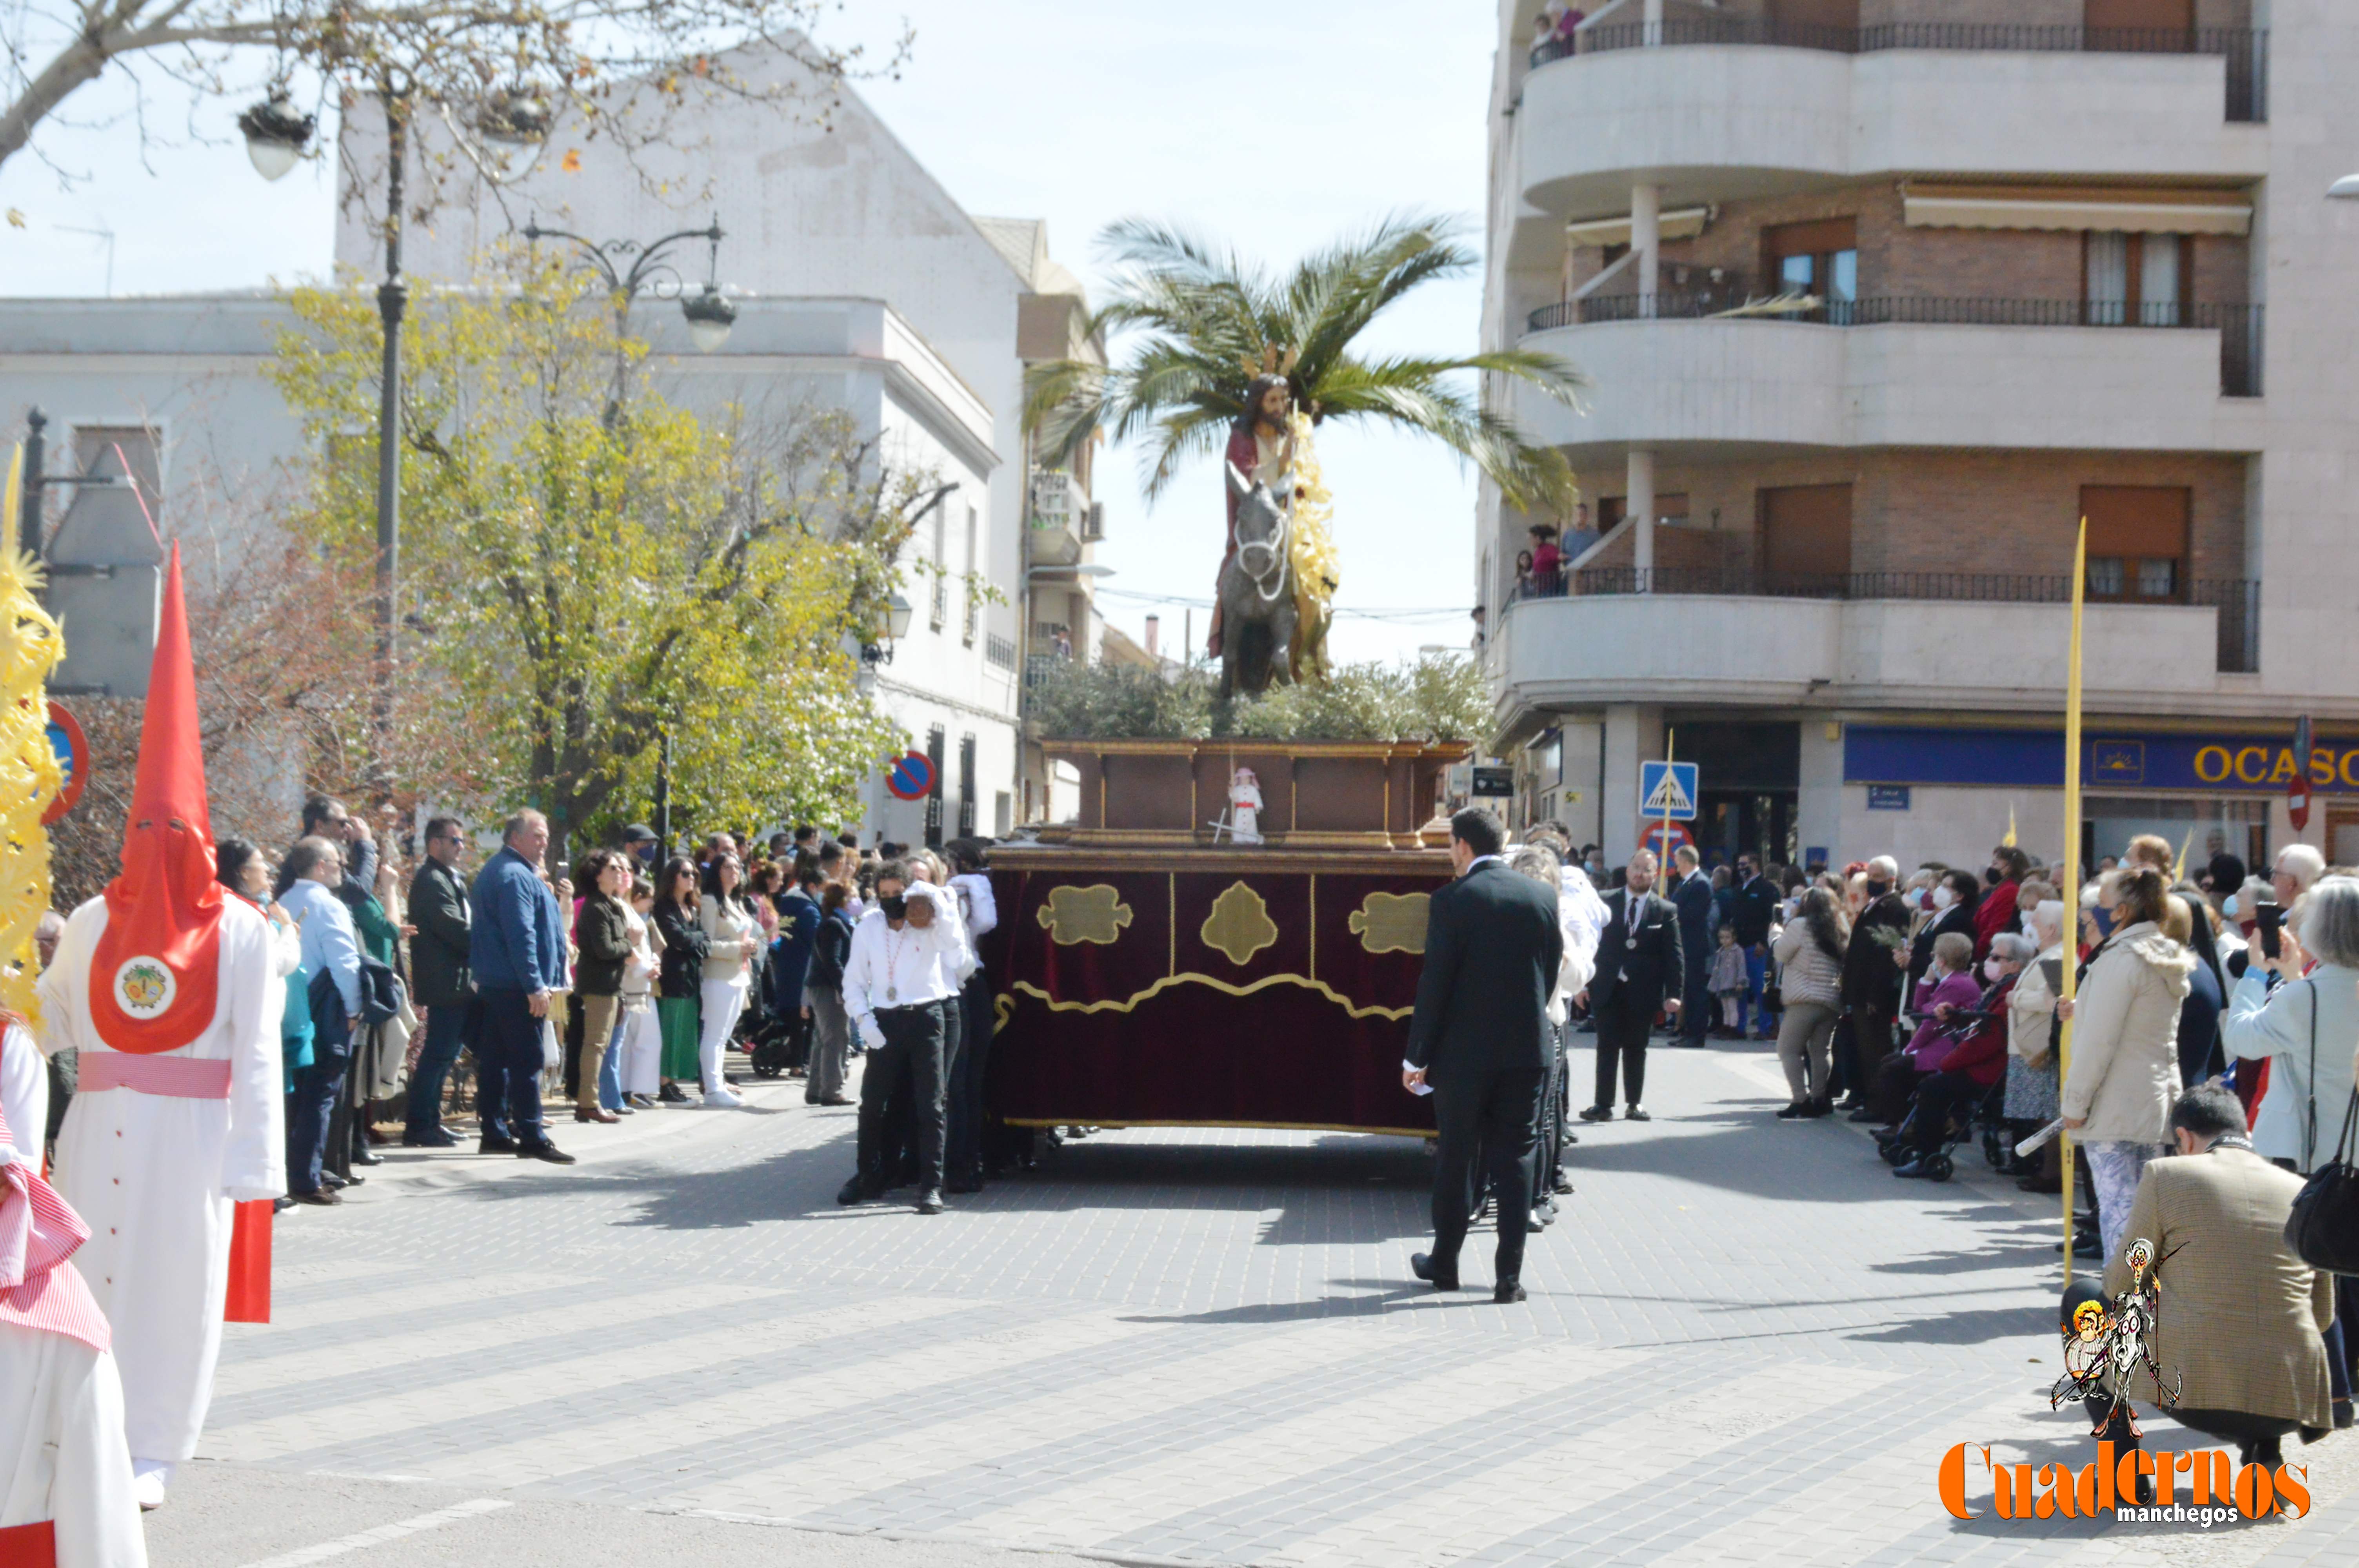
<point>62,1451</point>
<point>24,1093</point>
<point>155,1177</point>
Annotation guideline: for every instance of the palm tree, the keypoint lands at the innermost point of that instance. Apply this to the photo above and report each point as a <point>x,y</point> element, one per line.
<point>1210,322</point>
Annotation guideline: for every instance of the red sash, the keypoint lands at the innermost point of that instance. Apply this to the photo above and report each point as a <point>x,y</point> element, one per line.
<point>29,1546</point>
<point>249,1266</point>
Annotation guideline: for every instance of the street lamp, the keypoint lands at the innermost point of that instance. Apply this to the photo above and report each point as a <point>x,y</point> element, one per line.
<point>709,316</point>
<point>511,127</point>
<point>887,624</point>
<point>274,135</point>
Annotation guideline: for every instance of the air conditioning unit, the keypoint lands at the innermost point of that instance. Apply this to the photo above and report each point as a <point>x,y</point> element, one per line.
<point>1093,524</point>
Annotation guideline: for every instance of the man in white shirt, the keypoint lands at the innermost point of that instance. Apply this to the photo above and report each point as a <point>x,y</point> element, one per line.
<point>906,962</point>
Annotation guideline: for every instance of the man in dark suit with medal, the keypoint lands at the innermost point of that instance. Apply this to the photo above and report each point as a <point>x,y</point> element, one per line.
<point>1639,963</point>
<point>1479,1042</point>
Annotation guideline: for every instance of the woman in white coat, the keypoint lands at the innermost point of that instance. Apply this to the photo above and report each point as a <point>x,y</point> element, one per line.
<point>2124,1077</point>
<point>728,926</point>
<point>2305,1026</point>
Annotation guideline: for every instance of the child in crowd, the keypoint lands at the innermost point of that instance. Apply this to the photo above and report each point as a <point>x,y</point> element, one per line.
<point>1726,981</point>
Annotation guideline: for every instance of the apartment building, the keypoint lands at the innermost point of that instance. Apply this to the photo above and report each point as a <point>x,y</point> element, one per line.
<point>1879,298</point>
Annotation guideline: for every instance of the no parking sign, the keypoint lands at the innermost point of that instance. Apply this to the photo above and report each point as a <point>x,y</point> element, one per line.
<point>912,777</point>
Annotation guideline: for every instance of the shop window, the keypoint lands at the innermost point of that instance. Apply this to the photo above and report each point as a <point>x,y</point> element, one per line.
<point>2137,542</point>
<point>1806,534</point>
<point>2135,280</point>
<point>1819,258</point>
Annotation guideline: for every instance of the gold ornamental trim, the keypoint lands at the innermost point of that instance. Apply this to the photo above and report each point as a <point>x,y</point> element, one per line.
<point>1008,1001</point>
<point>1072,914</point>
<point>1391,923</point>
<point>1239,926</point>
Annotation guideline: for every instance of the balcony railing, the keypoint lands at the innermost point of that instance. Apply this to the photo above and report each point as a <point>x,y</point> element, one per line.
<point>2239,325</point>
<point>2237,599</point>
<point>2245,50</point>
<point>999,651</point>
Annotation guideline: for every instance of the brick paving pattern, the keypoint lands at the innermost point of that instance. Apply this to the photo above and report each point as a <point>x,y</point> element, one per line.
<point>1745,1343</point>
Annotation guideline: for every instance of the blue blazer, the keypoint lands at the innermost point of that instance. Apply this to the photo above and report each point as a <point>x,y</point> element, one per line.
<point>516,937</point>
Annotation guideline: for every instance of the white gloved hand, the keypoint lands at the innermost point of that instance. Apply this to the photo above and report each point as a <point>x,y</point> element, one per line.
<point>871,1037</point>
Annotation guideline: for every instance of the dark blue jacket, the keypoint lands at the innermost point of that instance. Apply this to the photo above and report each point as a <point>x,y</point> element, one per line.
<point>516,937</point>
<point>1692,898</point>
<point>790,952</point>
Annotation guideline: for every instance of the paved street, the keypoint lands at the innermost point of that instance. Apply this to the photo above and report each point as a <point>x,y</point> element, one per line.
<point>1746,1343</point>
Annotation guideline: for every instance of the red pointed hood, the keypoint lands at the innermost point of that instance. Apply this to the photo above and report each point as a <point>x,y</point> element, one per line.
<point>156,973</point>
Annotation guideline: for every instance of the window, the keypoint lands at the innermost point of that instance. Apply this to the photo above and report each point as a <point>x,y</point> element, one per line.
<point>934,742</point>
<point>1671,509</point>
<point>2135,279</point>
<point>1806,534</point>
<point>966,786</point>
<point>2137,542</point>
<point>974,602</point>
<point>942,600</point>
<point>1821,258</point>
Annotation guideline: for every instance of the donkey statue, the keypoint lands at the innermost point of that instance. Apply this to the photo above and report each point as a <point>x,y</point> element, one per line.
<point>1257,590</point>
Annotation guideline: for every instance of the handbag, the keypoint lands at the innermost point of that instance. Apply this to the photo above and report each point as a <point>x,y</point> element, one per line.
<point>552,1054</point>
<point>2323,1229</point>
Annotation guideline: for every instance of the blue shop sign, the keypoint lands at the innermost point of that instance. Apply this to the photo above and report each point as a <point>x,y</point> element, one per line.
<point>2194,763</point>
<point>1888,797</point>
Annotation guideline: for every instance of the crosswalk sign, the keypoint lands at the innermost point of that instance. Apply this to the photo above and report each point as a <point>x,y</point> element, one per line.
<point>1668,790</point>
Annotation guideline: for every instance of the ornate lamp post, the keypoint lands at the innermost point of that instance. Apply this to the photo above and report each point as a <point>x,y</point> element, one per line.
<point>628,267</point>
<point>504,139</point>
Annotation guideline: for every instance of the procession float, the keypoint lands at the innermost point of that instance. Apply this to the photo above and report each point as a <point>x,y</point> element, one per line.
<point>1230,932</point>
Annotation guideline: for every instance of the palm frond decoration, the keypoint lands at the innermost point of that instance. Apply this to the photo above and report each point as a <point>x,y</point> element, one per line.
<point>1202,322</point>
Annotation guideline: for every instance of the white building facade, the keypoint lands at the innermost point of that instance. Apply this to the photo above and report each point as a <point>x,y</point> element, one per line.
<point>1879,298</point>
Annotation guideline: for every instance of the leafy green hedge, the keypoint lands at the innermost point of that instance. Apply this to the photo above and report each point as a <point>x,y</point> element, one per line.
<point>1436,698</point>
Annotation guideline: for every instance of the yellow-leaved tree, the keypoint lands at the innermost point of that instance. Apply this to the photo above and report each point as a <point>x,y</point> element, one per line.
<point>582,573</point>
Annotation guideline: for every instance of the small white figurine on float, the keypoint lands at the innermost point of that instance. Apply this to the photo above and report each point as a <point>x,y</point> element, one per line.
<point>1244,807</point>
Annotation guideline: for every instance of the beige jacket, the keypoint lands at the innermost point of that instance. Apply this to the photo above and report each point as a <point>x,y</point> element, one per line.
<point>2124,1046</point>
<point>2240,1316</point>
<point>2030,1010</point>
<point>731,935</point>
<point>1805,972</point>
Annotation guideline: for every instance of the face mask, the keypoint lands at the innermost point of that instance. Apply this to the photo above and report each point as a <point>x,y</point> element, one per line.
<point>1942,897</point>
<point>2231,907</point>
<point>1877,890</point>
<point>1990,970</point>
<point>895,906</point>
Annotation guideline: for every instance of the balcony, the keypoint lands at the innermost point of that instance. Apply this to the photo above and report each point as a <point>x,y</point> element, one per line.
<point>1721,120</point>
<point>2234,603</point>
<point>2239,325</point>
<point>1901,372</point>
<point>2246,51</point>
<point>1764,649</point>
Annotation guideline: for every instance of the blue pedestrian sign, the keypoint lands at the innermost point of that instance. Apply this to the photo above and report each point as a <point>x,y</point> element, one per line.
<point>1667,790</point>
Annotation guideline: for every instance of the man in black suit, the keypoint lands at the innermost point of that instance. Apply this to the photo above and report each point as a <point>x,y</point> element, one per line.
<point>1752,913</point>
<point>440,981</point>
<point>1871,979</point>
<point>1639,962</point>
<point>1479,1040</point>
<point>1692,897</point>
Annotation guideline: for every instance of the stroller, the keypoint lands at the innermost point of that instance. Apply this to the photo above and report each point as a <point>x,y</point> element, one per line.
<point>777,1045</point>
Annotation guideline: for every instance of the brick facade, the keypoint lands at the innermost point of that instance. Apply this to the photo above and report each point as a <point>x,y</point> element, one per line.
<point>2010,513</point>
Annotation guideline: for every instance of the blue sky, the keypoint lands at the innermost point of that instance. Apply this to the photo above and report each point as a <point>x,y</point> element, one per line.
<point>1273,126</point>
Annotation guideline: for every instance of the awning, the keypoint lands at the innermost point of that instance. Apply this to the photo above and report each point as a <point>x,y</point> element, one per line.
<point>1685,223</point>
<point>2037,207</point>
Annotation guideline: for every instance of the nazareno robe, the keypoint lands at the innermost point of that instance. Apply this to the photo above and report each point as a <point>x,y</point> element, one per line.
<point>156,1175</point>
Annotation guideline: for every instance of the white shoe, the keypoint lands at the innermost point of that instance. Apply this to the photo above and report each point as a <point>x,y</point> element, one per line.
<point>148,1479</point>
<point>722,1098</point>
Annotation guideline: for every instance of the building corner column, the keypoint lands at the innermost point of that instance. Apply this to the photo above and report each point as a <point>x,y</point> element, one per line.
<point>1638,507</point>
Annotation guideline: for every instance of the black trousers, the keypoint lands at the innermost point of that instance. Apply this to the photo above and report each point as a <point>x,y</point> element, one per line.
<point>1870,1043</point>
<point>1621,1037</point>
<point>311,1108</point>
<point>963,1136</point>
<point>507,1047</point>
<point>1496,1117</point>
<point>912,1051</point>
<point>1938,1097</point>
<point>1695,994</point>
